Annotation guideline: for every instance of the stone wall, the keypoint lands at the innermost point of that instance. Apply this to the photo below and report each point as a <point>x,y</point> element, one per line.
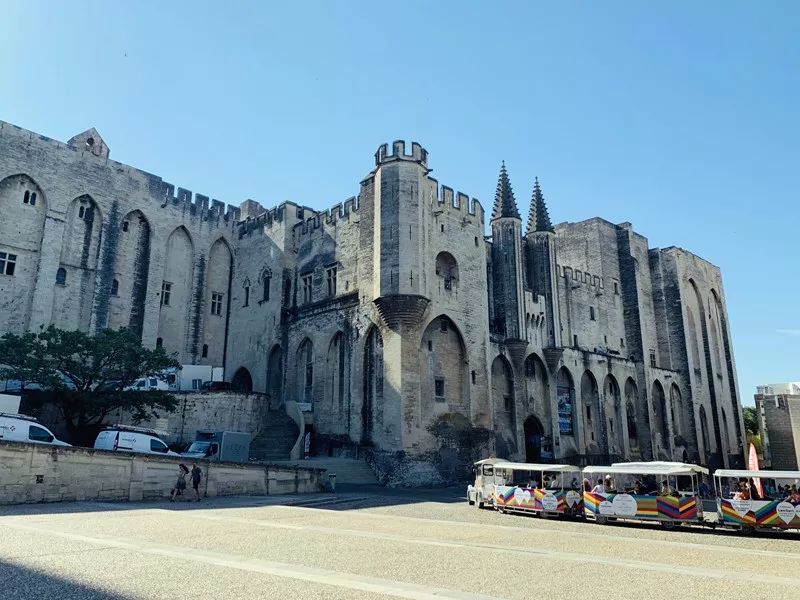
<point>219,411</point>
<point>34,473</point>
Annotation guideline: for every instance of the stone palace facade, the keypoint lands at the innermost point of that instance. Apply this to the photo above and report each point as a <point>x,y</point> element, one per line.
<point>574,342</point>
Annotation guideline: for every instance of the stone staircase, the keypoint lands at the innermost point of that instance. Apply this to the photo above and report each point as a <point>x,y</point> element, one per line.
<point>275,442</point>
<point>349,471</point>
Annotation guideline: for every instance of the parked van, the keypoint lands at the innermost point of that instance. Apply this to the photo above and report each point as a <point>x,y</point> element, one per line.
<point>122,438</point>
<point>149,384</point>
<point>22,428</point>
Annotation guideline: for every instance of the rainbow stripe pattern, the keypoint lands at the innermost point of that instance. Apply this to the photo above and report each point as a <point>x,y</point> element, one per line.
<point>524,498</point>
<point>759,513</point>
<point>649,508</point>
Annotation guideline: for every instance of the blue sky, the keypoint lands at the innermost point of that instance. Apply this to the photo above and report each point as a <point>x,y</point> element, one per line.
<point>680,117</point>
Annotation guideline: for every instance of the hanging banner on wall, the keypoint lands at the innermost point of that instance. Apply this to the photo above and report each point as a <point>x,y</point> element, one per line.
<point>564,410</point>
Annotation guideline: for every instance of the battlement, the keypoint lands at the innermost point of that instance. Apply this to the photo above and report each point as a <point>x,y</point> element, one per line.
<point>196,204</point>
<point>163,192</point>
<point>329,217</point>
<point>579,276</point>
<point>448,199</point>
<point>418,153</point>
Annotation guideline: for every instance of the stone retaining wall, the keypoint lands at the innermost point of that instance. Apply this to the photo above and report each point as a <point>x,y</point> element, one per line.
<point>32,473</point>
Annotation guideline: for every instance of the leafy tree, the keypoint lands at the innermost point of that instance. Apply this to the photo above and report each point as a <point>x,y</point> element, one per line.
<point>86,376</point>
<point>750,420</point>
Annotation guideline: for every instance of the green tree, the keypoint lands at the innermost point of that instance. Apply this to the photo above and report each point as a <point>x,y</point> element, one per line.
<point>750,420</point>
<point>86,376</point>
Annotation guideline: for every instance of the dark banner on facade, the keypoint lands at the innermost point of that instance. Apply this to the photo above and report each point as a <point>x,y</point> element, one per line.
<point>564,410</point>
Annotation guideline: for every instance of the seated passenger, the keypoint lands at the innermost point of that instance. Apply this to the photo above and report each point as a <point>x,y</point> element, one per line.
<point>599,488</point>
<point>610,487</point>
<point>554,485</point>
<point>637,488</point>
<point>743,493</point>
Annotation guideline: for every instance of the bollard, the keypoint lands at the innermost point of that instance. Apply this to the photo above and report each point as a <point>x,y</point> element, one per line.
<point>332,478</point>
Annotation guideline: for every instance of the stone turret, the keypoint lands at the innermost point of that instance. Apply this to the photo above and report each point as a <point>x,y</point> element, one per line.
<point>399,183</point>
<point>540,245</point>
<point>508,306</point>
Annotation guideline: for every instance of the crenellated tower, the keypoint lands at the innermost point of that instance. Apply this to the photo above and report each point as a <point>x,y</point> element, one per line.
<point>399,184</point>
<point>508,307</point>
<point>540,243</point>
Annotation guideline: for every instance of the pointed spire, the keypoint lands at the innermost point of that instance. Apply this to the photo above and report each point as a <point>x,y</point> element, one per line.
<point>538,218</point>
<point>504,203</point>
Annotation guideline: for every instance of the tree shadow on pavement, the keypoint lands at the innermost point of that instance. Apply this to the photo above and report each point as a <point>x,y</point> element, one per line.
<point>24,583</point>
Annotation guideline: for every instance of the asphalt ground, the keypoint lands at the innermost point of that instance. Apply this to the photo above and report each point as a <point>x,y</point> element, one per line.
<point>370,543</point>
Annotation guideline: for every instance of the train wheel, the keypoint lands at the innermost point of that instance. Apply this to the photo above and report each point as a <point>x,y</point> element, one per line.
<point>668,525</point>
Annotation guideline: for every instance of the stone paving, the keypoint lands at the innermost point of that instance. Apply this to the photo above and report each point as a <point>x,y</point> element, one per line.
<point>370,543</point>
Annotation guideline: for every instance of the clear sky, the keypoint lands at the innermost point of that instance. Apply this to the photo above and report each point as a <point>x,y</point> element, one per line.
<point>680,117</point>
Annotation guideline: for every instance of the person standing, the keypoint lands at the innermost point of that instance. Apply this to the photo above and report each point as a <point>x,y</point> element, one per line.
<point>180,483</point>
<point>197,475</point>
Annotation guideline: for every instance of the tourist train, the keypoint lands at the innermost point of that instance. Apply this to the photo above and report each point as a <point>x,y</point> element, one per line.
<point>668,493</point>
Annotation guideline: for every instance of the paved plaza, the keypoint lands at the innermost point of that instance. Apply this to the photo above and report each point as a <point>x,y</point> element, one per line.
<point>369,543</point>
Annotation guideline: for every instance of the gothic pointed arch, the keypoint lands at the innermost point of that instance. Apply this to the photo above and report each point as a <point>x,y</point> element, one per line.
<point>443,373</point>
<point>176,292</point>
<point>537,387</point>
<point>661,418</point>
<point>80,250</point>
<point>304,373</point>
<point>131,271</point>
<point>215,300</point>
<point>336,369</point>
<point>372,407</point>
<point>614,421</point>
<point>631,412</point>
<point>242,381</point>
<point>593,416</point>
<point>565,394</point>
<point>504,406</point>
<point>23,207</point>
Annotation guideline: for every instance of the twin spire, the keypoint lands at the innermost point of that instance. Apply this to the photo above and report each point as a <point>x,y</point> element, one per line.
<point>506,206</point>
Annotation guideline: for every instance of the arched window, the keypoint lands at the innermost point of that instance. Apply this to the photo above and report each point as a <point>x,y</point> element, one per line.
<point>159,342</point>
<point>61,276</point>
<point>266,282</point>
<point>114,287</point>
<point>447,269</point>
<point>205,350</point>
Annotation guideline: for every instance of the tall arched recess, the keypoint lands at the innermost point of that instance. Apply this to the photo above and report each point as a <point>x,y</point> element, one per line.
<point>728,367</point>
<point>336,381</point>
<point>504,405</point>
<point>372,407</point>
<point>443,379</point>
<point>176,297</point>
<point>592,416</point>
<point>275,376</point>
<point>661,424</point>
<point>80,247</point>
<point>131,271</point>
<point>242,381</point>
<point>565,396</point>
<point>615,424</point>
<point>631,418</point>
<point>715,459</point>
<point>23,210</point>
<point>538,405</point>
<point>217,299</point>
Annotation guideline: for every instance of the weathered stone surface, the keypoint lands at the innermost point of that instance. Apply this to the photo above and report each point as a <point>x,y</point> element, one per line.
<point>37,473</point>
<point>385,311</point>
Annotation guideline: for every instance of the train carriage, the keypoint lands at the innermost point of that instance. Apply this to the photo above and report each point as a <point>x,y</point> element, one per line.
<point>739,509</point>
<point>662,492</point>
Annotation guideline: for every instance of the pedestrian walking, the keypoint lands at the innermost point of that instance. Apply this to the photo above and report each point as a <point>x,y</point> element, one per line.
<point>197,475</point>
<point>180,483</point>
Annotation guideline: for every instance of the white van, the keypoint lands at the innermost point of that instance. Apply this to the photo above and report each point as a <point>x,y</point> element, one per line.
<point>22,428</point>
<point>122,438</point>
<point>149,384</point>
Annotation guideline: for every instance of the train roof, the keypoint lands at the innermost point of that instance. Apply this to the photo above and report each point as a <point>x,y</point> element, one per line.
<point>665,464</point>
<point>537,467</point>
<point>646,469</point>
<point>757,474</point>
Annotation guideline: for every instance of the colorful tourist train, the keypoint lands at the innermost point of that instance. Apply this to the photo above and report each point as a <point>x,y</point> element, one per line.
<point>667,493</point>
